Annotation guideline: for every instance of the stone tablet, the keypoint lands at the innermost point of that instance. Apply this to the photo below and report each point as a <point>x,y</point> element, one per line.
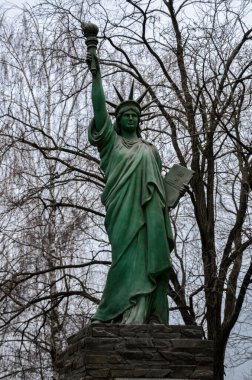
<point>175,182</point>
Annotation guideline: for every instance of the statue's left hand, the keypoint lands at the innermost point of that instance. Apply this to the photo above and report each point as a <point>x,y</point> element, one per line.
<point>184,190</point>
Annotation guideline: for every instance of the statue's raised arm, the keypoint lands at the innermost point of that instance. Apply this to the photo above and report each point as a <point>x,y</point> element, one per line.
<point>90,31</point>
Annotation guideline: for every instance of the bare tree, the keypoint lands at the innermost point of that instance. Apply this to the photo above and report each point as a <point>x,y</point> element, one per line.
<point>51,221</point>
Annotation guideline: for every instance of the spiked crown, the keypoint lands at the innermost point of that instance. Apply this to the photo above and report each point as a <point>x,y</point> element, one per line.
<point>130,102</point>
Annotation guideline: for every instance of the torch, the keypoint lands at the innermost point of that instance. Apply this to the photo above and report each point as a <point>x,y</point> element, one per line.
<point>90,32</point>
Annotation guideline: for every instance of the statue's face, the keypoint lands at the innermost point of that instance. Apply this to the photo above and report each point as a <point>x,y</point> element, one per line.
<point>129,121</point>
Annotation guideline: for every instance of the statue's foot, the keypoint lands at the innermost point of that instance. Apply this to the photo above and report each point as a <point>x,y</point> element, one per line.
<point>95,322</point>
<point>154,321</point>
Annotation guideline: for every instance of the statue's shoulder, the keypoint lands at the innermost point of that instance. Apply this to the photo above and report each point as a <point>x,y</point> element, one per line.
<point>154,152</point>
<point>152,146</point>
<point>147,143</point>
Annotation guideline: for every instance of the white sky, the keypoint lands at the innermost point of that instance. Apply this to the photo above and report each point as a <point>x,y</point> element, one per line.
<point>17,2</point>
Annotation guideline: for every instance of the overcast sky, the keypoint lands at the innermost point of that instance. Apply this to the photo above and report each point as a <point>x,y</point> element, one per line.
<point>17,2</point>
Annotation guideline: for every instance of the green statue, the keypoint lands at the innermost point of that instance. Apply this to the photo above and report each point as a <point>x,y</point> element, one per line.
<point>137,219</point>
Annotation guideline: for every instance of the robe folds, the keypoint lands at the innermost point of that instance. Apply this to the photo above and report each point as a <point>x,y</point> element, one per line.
<point>138,227</point>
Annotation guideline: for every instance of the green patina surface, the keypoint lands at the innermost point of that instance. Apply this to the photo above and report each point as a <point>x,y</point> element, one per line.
<point>137,220</point>
<point>137,224</point>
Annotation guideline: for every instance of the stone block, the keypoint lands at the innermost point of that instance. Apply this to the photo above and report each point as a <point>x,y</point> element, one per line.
<point>132,343</point>
<point>101,344</point>
<point>158,373</point>
<point>99,372</point>
<point>177,358</point>
<point>78,362</point>
<point>136,355</point>
<point>134,330</point>
<point>101,331</point>
<point>79,335</point>
<point>121,373</point>
<point>104,359</point>
<point>202,373</point>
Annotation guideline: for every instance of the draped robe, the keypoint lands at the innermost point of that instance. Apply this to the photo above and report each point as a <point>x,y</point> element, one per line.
<point>138,227</point>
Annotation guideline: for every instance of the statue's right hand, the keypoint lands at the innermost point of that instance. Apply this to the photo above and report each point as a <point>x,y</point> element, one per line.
<point>93,62</point>
<point>89,59</point>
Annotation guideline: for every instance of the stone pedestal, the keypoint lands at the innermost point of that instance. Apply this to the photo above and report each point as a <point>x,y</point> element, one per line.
<point>107,351</point>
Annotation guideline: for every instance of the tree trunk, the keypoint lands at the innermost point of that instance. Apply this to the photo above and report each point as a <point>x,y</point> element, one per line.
<point>219,357</point>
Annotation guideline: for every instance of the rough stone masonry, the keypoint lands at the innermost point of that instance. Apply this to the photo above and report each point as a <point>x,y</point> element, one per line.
<point>109,351</point>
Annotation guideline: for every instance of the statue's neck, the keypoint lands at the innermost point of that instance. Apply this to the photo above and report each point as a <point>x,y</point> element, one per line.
<point>129,134</point>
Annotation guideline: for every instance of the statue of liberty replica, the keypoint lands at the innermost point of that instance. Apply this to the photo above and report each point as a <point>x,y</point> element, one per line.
<point>137,201</point>
<point>137,219</point>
